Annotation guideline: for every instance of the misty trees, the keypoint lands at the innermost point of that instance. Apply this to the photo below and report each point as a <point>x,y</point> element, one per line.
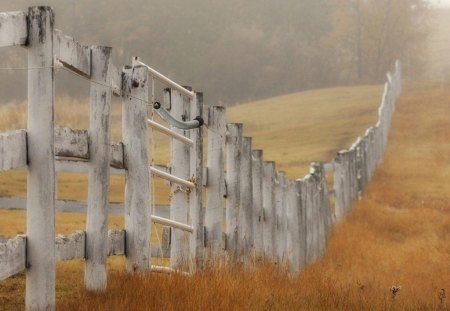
<point>371,34</point>
<point>236,50</point>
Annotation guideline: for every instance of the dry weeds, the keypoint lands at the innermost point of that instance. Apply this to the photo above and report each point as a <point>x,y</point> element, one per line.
<point>392,252</point>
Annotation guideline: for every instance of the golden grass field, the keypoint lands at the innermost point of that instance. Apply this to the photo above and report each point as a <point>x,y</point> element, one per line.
<point>397,235</point>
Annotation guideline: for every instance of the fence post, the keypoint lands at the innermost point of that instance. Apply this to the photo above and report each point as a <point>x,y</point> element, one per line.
<point>99,154</point>
<point>293,245</point>
<point>179,203</point>
<point>339,186</point>
<point>311,239</point>
<point>300,187</point>
<point>245,212</point>
<point>233,148</point>
<point>197,246</point>
<point>40,281</point>
<point>269,216</point>
<point>280,211</point>
<point>257,181</point>
<point>216,180</point>
<point>137,179</point>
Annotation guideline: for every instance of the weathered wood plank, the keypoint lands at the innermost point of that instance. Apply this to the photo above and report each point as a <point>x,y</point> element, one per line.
<point>216,180</point>
<point>339,186</point>
<point>137,175</point>
<point>116,80</point>
<point>293,243</point>
<point>99,146</point>
<point>40,280</point>
<point>116,242</point>
<point>269,216</point>
<point>257,189</point>
<point>280,209</point>
<point>303,225</point>
<point>233,147</point>
<point>13,29</point>
<point>72,54</point>
<point>71,143</point>
<point>196,213</point>
<point>246,205</point>
<point>117,155</point>
<point>12,256</point>
<point>71,246</point>
<point>180,159</point>
<point>13,150</point>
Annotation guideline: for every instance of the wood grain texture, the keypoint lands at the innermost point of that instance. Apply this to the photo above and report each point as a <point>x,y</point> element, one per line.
<point>245,233</point>
<point>196,210</point>
<point>137,177</point>
<point>269,215</point>
<point>40,280</point>
<point>98,185</point>
<point>179,203</point>
<point>71,143</point>
<point>216,180</point>
<point>257,209</point>
<point>233,145</point>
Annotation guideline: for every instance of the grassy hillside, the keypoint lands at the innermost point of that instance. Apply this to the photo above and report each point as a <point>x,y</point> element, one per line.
<point>399,234</point>
<point>296,129</point>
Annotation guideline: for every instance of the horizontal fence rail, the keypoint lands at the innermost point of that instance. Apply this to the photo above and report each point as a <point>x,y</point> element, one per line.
<point>251,209</point>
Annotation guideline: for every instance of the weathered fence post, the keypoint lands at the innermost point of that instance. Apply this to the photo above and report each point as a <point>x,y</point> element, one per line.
<point>40,281</point>
<point>293,244</point>
<point>302,223</point>
<point>233,148</point>
<point>311,216</point>
<point>99,154</point>
<point>196,216</point>
<point>216,180</point>
<point>269,216</point>
<point>280,211</point>
<point>137,185</point>
<point>246,188</point>
<point>179,202</point>
<point>257,182</point>
<point>339,186</point>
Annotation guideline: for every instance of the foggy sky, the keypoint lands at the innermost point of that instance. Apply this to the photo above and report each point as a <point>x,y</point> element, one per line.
<point>445,3</point>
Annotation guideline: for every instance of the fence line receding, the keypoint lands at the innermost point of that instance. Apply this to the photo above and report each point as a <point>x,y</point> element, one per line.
<point>251,209</point>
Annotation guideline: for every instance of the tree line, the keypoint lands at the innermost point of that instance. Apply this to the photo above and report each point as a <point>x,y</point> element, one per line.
<point>235,50</point>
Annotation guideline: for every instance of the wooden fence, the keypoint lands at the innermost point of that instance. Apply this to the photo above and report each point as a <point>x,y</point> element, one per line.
<point>265,215</point>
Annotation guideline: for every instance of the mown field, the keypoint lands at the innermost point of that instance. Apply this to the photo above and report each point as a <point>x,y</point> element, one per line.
<point>398,235</point>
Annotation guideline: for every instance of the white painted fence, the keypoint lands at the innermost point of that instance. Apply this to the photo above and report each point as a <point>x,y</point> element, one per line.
<point>266,215</point>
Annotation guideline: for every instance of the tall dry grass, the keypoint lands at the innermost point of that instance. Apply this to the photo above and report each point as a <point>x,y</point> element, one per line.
<point>398,235</point>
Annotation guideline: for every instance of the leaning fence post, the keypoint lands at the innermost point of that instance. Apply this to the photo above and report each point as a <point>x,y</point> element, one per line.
<point>269,216</point>
<point>257,181</point>
<point>137,185</point>
<point>196,173</point>
<point>233,148</point>
<point>245,211</point>
<point>40,281</point>
<point>216,180</point>
<point>179,206</point>
<point>99,147</point>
